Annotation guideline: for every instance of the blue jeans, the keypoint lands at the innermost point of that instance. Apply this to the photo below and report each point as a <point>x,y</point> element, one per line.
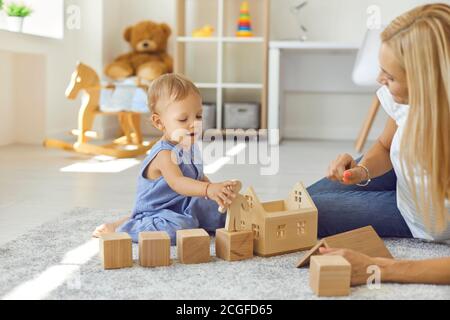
<point>343,208</point>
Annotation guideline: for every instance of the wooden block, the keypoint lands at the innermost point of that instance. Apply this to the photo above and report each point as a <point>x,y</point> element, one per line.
<point>304,261</point>
<point>154,249</point>
<point>115,251</point>
<point>330,276</point>
<point>193,246</point>
<point>234,246</point>
<point>364,240</point>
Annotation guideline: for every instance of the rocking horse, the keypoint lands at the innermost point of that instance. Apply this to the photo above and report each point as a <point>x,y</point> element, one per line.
<point>128,146</point>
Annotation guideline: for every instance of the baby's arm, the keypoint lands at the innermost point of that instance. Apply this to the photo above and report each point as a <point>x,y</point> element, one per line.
<point>171,172</point>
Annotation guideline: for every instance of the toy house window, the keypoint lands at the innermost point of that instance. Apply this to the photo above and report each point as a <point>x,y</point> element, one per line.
<point>250,201</point>
<point>301,228</point>
<point>255,229</point>
<point>281,231</point>
<point>298,197</point>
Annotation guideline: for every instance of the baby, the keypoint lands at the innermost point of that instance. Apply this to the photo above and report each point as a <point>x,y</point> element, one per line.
<point>173,193</point>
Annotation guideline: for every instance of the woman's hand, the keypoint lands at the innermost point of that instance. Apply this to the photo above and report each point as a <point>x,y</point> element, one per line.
<point>345,170</point>
<point>222,193</point>
<point>360,263</point>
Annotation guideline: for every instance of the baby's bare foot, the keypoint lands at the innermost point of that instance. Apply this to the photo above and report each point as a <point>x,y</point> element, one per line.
<point>103,229</point>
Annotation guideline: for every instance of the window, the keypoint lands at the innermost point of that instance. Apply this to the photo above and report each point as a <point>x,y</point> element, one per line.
<point>250,201</point>
<point>298,198</point>
<point>301,228</point>
<point>255,229</point>
<point>281,231</point>
<point>47,19</point>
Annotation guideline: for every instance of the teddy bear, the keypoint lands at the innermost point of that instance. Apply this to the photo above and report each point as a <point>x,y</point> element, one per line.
<point>149,58</point>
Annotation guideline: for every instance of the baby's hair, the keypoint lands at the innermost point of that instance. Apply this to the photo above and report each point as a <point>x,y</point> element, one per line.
<point>170,87</point>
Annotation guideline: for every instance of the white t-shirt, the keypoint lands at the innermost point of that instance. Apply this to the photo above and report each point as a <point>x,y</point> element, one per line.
<point>405,201</point>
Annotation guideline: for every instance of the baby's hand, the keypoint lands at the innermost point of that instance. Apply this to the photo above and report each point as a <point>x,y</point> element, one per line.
<point>222,193</point>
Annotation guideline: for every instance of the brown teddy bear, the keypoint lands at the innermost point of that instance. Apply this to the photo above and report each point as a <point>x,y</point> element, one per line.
<point>149,58</point>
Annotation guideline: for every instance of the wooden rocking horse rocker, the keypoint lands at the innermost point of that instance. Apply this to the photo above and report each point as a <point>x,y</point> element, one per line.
<point>130,145</point>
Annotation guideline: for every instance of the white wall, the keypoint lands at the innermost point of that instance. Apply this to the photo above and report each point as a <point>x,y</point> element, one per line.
<point>6,98</point>
<point>306,114</point>
<point>100,39</point>
<point>29,98</point>
<point>333,20</point>
<point>22,98</point>
<point>330,115</point>
<point>60,114</point>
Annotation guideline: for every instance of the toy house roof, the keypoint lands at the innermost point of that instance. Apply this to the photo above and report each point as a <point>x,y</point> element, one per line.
<point>307,203</point>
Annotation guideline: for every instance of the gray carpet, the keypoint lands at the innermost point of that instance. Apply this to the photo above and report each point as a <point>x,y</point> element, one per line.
<point>36,260</point>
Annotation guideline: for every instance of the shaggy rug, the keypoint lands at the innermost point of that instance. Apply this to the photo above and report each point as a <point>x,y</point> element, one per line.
<point>59,260</point>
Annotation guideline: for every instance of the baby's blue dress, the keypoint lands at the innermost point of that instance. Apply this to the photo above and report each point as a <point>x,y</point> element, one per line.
<point>159,208</point>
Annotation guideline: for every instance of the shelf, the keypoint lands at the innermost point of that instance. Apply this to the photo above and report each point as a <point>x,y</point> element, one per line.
<point>205,85</point>
<point>312,45</point>
<point>244,65</point>
<point>242,85</point>
<point>243,40</point>
<point>235,85</point>
<point>223,39</point>
<point>195,39</point>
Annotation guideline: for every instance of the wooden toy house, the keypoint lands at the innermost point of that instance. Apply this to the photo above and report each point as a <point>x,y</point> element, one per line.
<point>281,226</point>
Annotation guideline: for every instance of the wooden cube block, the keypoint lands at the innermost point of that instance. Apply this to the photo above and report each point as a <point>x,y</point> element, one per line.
<point>330,276</point>
<point>193,246</point>
<point>115,251</point>
<point>154,249</point>
<point>234,246</point>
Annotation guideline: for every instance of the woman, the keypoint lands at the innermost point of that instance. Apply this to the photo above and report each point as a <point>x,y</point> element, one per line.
<point>402,185</point>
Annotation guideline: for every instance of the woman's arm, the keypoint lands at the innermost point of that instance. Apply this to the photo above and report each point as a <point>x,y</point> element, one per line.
<point>377,160</point>
<point>433,271</point>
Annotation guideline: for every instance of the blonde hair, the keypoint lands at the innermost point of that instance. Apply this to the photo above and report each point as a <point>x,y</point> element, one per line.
<point>169,87</point>
<point>420,40</point>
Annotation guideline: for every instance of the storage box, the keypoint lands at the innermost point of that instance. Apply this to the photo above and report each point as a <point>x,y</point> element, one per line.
<point>209,116</point>
<point>241,115</point>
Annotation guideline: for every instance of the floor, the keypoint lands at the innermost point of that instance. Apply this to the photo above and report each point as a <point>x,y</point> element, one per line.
<point>59,261</point>
<point>36,184</point>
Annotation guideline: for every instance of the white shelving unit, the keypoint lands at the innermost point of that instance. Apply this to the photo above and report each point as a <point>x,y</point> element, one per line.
<point>220,38</point>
